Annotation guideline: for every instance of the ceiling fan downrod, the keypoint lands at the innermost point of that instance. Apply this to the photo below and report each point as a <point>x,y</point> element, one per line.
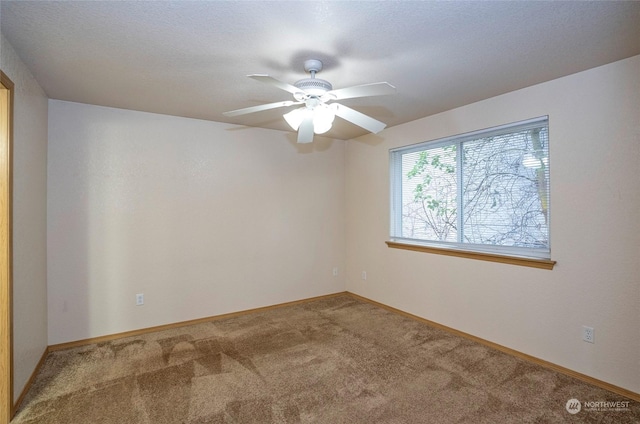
<point>313,86</point>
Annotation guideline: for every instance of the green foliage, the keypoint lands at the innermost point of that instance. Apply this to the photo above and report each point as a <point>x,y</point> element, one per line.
<point>435,190</point>
<point>427,166</point>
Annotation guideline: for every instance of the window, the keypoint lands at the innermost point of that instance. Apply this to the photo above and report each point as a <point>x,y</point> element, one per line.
<point>486,191</point>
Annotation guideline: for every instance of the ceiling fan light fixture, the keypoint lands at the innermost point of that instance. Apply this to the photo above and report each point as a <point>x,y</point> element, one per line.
<point>295,117</point>
<point>323,117</point>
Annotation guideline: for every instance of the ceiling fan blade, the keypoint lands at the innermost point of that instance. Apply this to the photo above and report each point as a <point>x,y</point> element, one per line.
<point>360,119</point>
<point>305,131</point>
<point>260,108</point>
<point>365,90</point>
<point>281,85</point>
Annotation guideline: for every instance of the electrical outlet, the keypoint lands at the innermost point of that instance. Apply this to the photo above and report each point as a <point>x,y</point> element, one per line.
<point>364,275</point>
<point>335,272</point>
<point>587,334</point>
<point>140,299</point>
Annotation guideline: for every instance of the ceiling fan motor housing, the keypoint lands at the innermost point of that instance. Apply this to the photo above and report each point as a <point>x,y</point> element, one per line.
<point>314,86</point>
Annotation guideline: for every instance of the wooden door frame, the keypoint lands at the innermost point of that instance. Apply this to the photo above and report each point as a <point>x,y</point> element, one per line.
<point>6,184</point>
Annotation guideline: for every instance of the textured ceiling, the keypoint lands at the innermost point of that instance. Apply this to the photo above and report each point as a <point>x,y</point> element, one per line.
<point>191,58</point>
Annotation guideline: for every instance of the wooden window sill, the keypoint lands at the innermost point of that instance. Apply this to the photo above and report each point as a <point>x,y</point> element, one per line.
<point>491,257</point>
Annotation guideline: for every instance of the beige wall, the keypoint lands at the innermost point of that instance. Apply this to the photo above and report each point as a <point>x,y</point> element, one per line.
<point>29,217</point>
<point>203,218</point>
<point>594,126</point>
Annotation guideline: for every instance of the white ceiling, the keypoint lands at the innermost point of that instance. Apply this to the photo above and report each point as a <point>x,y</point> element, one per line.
<point>191,58</point>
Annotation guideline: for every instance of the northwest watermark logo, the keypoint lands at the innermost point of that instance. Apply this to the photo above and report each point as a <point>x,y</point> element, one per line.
<point>573,406</point>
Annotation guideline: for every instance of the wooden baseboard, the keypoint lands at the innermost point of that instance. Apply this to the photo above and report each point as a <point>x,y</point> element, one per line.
<point>27,386</point>
<point>142,331</point>
<point>562,370</point>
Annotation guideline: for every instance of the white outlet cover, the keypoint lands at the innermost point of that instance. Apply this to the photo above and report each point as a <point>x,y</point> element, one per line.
<point>587,334</point>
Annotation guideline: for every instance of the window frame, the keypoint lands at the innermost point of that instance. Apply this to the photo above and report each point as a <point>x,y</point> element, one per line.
<point>535,257</point>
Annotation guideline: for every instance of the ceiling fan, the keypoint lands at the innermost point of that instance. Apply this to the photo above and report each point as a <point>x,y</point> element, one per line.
<point>317,97</point>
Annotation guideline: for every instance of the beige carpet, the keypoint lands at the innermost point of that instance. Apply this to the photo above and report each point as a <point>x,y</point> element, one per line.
<point>335,360</point>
